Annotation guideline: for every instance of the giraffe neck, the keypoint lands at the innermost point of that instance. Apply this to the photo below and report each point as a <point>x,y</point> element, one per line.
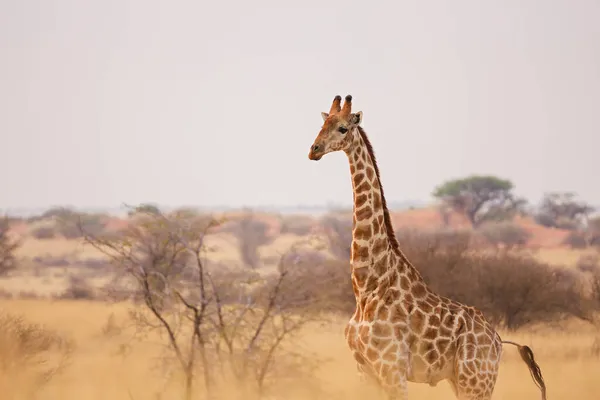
<point>371,226</point>
<point>375,250</point>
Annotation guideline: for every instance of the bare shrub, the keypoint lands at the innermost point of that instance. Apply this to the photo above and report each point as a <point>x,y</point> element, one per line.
<point>506,234</point>
<point>562,210</point>
<point>338,232</point>
<point>30,356</point>
<point>8,247</point>
<point>220,323</point>
<point>44,232</point>
<point>52,261</point>
<point>576,240</point>
<point>300,225</point>
<point>251,233</point>
<point>512,290</point>
<point>68,226</point>
<point>78,289</point>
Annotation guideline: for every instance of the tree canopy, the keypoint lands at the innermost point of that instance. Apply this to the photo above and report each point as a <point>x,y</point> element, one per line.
<point>562,210</point>
<point>480,198</point>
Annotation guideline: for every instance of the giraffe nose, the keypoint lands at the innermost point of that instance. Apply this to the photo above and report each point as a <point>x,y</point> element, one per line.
<point>313,154</point>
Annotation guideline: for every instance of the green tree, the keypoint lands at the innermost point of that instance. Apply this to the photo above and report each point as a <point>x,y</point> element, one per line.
<point>481,198</point>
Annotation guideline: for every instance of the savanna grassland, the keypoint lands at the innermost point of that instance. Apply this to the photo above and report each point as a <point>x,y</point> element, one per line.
<point>79,314</point>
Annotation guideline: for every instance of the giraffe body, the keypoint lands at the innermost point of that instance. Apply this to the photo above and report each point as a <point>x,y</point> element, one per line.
<point>401,330</point>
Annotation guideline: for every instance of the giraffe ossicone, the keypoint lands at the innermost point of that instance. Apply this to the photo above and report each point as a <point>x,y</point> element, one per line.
<point>402,331</point>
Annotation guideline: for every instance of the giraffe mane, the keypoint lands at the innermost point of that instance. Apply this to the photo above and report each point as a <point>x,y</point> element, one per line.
<point>386,214</point>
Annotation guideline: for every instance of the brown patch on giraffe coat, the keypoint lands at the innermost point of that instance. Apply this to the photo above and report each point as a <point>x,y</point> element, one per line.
<point>425,347</point>
<point>359,253</point>
<point>369,311</point>
<point>363,333</point>
<point>363,232</point>
<point>377,205</point>
<point>358,178</point>
<point>359,358</point>
<point>411,272</point>
<point>383,312</point>
<point>484,340</point>
<point>360,200</point>
<point>380,245</point>
<point>363,187</point>
<point>372,355</point>
<point>430,333</point>
<point>425,306</point>
<point>381,265</point>
<point>433,321</point>
<point>397,313</point>
<point>364,213</point>
<point>371,284</point>
<point>418,290</point>
<point>390,296</point>
<point>360,276</point>
<point>380,343</point>
<point>417,321</point>
<point>352,169</point>
<point>376,226</point>
<point>404,283</point>
<point>442,344</point>
<point>431,356</point>
<point>381,329</point>
<point>370,173</point>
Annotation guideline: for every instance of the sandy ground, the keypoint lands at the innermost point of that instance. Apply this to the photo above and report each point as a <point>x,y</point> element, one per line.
<point>101,369</point>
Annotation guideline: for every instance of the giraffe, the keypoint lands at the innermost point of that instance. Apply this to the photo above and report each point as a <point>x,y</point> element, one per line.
<point>402,331</point>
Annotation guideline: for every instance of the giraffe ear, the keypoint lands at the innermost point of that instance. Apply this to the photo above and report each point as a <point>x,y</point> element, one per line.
<point>357,118</point>
<point>324,115</point>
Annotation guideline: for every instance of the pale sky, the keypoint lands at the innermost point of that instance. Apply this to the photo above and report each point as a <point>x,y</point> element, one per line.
<point>217,103</point>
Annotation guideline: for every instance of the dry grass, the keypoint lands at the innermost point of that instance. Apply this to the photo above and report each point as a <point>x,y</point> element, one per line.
<point>561,255</point>
<point>107,364</point>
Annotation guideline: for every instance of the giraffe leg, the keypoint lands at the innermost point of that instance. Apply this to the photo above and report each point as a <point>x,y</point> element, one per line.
<point>398,391</point>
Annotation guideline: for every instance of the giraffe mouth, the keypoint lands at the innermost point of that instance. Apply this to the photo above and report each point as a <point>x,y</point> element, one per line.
<point>315,156</point>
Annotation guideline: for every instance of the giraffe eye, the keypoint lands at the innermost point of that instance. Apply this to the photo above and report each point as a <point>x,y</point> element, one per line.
<point>342,130</point>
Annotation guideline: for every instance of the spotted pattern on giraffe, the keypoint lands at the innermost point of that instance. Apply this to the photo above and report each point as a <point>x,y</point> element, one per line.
<point>401,330</point>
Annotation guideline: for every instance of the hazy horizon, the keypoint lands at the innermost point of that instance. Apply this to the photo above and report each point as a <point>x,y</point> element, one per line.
<point>203,104</point>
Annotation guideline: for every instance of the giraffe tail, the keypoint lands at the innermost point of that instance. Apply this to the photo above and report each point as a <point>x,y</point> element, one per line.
<point>534,368</point>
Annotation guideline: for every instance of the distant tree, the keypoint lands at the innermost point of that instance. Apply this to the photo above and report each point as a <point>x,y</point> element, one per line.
<point>144,208</point>
<point>480,198</point>
<point>251,233</point>
<point>8,247</point>
<point>562,210</point>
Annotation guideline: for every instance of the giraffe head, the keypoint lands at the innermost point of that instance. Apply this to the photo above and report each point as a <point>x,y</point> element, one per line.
<point>338,130</point>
